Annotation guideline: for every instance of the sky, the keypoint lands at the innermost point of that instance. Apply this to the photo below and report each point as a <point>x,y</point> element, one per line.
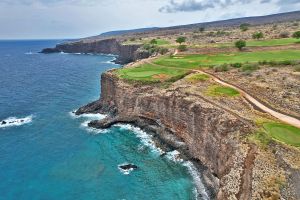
<point>49,19</point>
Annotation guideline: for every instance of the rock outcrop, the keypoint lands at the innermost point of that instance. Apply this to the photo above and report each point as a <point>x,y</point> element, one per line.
<point>126,53</point>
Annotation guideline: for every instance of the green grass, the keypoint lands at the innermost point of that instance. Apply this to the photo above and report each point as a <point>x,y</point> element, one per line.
<point>161,42</point>
<point>284,133</point>
<point>273,42</point>
<point>260,43</point>
<point>194,61</point>
<point>216,90</point>
<point>150,73</point>
<point>175,66</point>
<point>198,78</point>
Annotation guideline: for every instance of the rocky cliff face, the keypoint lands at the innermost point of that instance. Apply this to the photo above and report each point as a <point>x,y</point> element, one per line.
<point>210,134</point>
<point>126,53</point>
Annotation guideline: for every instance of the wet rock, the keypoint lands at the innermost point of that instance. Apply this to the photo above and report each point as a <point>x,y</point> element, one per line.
<point>128,167</point>
<point>3,122</point>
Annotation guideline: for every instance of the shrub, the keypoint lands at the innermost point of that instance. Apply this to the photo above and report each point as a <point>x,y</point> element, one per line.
<point>249,67</point>
<point>264,62</point>
<point>240,44</point>
<point>221,68</point>
<point>153,41</point>
<point>244,27</point>
<point>163,51</point>
<point>182,47</point>
<point>286,62</point>
<point>181,40</point>
<point>284,34</point>
<point>295,24</point>
<point>236,65</point>
<point>132,39</point>
<point>220,33</point>
<point>257,35</point>
<point>297,35</point>
<point>297,68</point>
<point>201,29</point>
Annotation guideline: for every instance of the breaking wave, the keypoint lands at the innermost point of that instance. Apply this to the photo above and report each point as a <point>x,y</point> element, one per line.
<point>13,121</point>
<point>145,138</point>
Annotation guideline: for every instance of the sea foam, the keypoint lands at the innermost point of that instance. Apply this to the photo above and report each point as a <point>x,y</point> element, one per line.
<point>14,121</point>
<point>145,138</point>
<point>90,117</point>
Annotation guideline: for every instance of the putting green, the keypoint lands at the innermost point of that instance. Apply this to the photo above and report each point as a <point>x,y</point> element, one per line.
<point>284,133</point>
<point>216,90</point>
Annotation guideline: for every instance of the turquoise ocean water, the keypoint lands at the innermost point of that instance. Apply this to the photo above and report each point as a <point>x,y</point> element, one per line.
<point>46,153</point>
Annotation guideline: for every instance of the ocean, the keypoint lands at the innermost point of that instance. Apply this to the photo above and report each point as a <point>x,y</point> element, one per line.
<point>47,153</point>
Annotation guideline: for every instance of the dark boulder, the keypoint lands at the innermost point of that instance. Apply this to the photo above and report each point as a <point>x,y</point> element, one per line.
<point>127,167</point>
<point>3,122</point>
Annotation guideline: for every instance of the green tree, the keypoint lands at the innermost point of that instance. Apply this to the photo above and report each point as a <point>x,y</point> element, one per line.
<point>257,35</point>
<point>181,40</point>
<point>297,35</point>
<point>182,47</point>
<point>240,44</point>
<point>201,29</point>
<point>244,27</point>
<point>153,41</point>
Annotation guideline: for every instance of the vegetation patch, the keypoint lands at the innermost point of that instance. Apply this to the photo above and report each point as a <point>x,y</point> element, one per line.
<point>284,133</point>
<point>217,90</point>
<point>148,73</point>
<point>198,78</point>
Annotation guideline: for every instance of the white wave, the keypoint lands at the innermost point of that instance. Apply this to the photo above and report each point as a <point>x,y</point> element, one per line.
<point>13,121</point>
<point>197,180</point>
<point>90,117</point>
<point>96,116</point>
<point>93,130</point>
<point>30,53</point>
<point>174,156</point>
<point>145,138</point>
<point>110,61</point>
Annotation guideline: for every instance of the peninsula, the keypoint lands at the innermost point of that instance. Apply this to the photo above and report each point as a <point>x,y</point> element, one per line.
<point>225,94</point>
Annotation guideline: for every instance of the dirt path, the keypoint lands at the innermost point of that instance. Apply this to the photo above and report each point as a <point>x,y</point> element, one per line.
<point>282,117</point>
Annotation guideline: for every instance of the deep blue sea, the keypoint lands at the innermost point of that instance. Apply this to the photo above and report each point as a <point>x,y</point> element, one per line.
<point>46,153</point>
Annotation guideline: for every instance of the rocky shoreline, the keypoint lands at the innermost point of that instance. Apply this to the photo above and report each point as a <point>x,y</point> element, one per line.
<point>163,138</point>
<point>201,132</point>
<point>125,53</point>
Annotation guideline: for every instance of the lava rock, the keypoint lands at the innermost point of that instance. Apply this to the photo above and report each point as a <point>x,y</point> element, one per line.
<point>3,122</point>
<point>128,167</point>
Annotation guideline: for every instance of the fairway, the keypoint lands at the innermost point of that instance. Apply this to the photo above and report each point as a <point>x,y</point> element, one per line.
<point>284,133</point>
<point>257,43</point>
<point>194,61</point>
<point>168,67</point>
<point>274,42</point>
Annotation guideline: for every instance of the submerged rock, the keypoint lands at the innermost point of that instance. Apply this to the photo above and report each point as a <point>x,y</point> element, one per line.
<point>128,167</point>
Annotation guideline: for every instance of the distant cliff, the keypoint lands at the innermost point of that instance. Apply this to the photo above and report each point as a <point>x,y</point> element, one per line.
<point>126,53</point>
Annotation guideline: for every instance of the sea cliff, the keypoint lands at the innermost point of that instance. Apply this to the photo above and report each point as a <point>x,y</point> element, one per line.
<point>125,53</point>
<point>204,132</point>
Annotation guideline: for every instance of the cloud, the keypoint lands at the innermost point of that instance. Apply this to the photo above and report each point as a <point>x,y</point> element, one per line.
<point>186,6</point>
<point>51,2</point>
<point>175,6</point>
